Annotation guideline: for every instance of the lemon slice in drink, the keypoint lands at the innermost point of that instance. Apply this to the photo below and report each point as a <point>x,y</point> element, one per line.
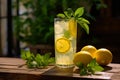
<point>62,45</point>
<point>73,27</point>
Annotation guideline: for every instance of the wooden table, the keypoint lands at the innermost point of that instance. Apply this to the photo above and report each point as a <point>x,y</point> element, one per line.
<point>11,69</point>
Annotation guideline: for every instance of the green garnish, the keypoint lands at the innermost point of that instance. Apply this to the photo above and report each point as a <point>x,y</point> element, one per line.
<point>36,61</point>
<point>77,15</point>
<point>67,34</point>
<point>91,68</point>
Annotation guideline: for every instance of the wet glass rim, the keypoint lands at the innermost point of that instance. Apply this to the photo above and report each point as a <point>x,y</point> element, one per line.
<point>60,19</point>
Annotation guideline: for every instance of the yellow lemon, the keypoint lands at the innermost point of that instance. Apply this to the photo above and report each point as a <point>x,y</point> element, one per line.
<point>62,45</point>
<point>91,49</point>
<point>73,27</point>
<point>103,56</point>
<point>83,56</point>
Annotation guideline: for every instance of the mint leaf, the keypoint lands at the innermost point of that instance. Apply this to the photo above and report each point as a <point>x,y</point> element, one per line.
<point>84,26</point>
<point>79,12</point>
<point>94,66</point>
<point>91,68</point>
<point>83,71</point>
<point>38,61</point>
<point>31,64</point>
<point>67,34</point>
<point>93,63</point>
<point>80,65</point>
<point>23,54</point>
<point>77,15</point>
<point>51,60</point>
<point>98,68</point>
<point>38,58</point>
<point>61,15</point>
<point>69,13</point>
<point>83,20</point>
<point>26,55</point>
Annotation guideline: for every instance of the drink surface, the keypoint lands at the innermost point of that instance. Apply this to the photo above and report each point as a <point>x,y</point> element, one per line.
<point>65,42</point>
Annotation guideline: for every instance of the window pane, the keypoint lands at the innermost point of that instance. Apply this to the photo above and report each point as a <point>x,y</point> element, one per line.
<point>3,8</point>
<point>4,36</point>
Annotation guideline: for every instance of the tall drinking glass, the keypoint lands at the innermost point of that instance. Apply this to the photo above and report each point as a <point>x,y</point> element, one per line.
<point>65,41</point>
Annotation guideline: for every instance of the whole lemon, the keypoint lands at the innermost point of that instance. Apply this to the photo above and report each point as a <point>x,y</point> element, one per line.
<point>83,57</point>
<point>91,49</point>
<point>103,56</point>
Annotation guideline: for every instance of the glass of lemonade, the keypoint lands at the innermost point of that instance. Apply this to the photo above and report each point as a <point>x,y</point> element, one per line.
<point>65,41</point>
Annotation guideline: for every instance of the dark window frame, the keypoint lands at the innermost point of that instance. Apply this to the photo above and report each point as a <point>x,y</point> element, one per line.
<point>13,46</point>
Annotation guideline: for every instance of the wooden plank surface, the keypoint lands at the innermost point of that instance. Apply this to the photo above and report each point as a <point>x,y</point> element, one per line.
<point>11,61</point>
<point>112,72</point>
<point>73,74</point>
<point>17,65</point>
<point>10,66</point>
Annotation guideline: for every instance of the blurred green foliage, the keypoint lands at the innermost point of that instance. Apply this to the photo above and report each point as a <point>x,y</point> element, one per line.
<point>36,24</point>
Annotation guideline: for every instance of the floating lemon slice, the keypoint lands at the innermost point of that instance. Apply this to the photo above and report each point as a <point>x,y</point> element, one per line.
<point>73,27</point>
<point>62,45</point>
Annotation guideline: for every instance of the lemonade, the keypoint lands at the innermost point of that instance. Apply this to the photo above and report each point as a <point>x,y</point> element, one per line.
<point>65,41</point>
<point>65,27</point>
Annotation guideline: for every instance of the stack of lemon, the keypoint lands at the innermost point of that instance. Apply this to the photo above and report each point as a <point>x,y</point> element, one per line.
<point>103,56</point>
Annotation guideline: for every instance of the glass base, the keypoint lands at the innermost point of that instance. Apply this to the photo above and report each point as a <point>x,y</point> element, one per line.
<point>64,66</point>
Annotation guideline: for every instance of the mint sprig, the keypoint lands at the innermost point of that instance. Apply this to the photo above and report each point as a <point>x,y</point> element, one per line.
<point>36,61</point>
<point>67,34</point>
<point>77,15</point>
<point>91,68</point>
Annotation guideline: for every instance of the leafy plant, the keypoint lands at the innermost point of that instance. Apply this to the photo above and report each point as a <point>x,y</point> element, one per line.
<point>77,16</point>
<point>91,68</point>
<point>35,25</point>
<point>36,61</point>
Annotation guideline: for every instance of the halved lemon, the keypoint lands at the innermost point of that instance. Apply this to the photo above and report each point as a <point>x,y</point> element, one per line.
<point>62,45</point>
<point>73,27</point>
